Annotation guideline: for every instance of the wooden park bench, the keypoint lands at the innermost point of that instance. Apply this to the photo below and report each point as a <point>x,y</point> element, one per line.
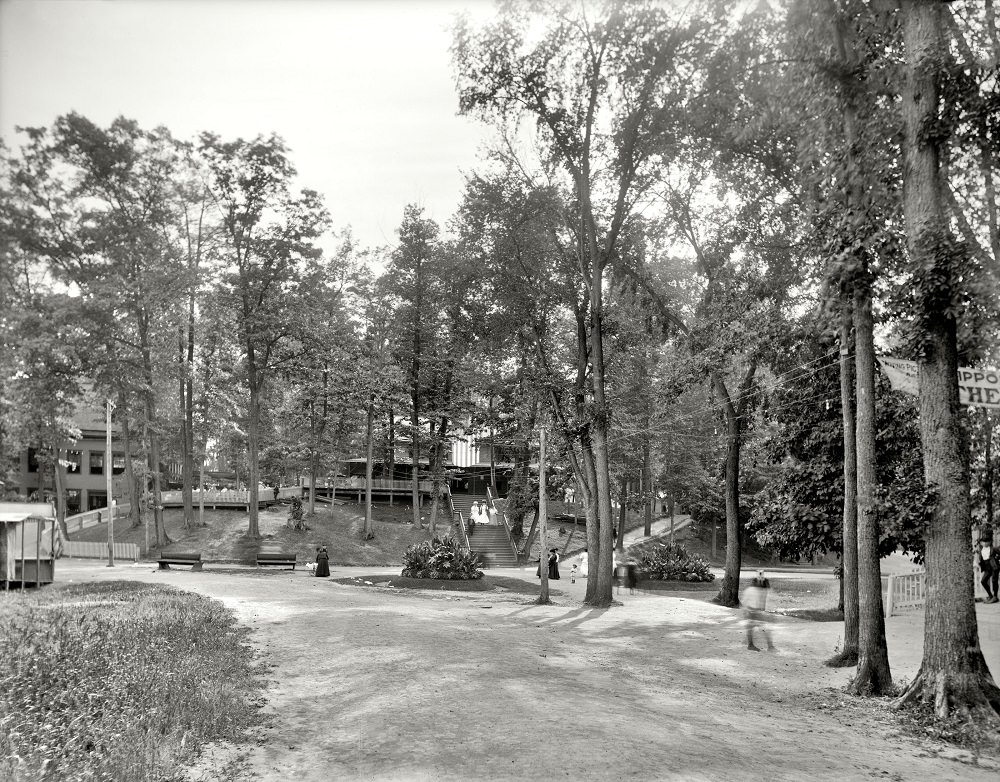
<point>273,555</point>
<point>168,558</point>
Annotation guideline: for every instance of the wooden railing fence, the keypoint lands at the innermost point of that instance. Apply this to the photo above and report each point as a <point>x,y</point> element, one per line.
<point>906,591</point>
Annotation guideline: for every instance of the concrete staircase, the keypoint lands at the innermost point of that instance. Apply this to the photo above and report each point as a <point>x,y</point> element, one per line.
<point>490,541</point>
<point>463,502</point>
<point>493,546</point>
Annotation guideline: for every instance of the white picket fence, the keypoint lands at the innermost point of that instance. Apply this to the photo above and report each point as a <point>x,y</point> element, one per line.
<point>229,496</point>
<point>906,592</point>
<point>86,550</point>
<point>91,518</point>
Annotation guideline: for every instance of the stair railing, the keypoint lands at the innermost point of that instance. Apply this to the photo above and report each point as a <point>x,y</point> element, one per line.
<point>463,535</point>
<point>505,523</point>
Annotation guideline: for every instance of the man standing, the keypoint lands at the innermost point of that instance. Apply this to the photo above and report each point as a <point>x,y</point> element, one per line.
<point>754,605</point>
<point>989,566</point>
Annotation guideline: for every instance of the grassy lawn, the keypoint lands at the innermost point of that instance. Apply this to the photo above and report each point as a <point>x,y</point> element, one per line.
<point>338,527</point>
<point>119,681</point>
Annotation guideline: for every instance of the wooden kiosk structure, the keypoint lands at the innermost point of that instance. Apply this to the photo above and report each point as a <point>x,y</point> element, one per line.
<point>27,543</point>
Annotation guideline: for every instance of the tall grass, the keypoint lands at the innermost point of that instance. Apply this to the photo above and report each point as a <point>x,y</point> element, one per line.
<point>119,681</point>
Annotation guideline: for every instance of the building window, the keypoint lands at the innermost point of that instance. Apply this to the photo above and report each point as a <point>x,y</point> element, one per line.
<point>32,460</point>
<point>96,499</point>
<point>73,460</point>
<point>117,463</point>
<point>96,463</point>
<point>72,501</point>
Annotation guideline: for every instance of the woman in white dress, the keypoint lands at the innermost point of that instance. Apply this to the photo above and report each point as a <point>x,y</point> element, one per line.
<point>584,564</point>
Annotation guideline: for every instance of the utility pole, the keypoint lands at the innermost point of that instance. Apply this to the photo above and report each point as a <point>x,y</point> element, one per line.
<point>543,555</point>
<point>201,492</point>
<point>108,483</point>
<point>493,446</point>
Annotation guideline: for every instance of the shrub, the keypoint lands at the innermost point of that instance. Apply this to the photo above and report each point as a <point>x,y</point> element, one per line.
<point>119,681</point>
<point>672,562</point>
<point>441,558</point>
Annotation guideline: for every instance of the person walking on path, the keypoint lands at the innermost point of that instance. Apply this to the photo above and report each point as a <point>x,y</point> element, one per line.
<point>554,564</point>
<point>631,576</point>
<point>988,560</point>
<point>322,563</point>
<point>584,563</point>
<point>754,604</point>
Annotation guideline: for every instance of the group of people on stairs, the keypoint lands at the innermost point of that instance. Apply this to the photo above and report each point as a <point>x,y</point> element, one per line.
<point>478,514</point>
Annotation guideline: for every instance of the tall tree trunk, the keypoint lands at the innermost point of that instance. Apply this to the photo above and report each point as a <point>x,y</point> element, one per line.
<point>256,384</point>
<point>873,676</point>
<point>391,455</point>
<point>415,389</point>
<point>646,474</point>
<point>599,439</point>
<point>187,462</point>
<point>953,674</point>
<point>437,470</point>
<point>589,488</point>
<point>313,460</point>
<point>128,442</point>
<point>201,488</point>
<point>729,592</point>
<point>493,448</point>
<point>588,474</point>
<point>850,84</point>
<point>313,477</point>
<point>154,472</point>
<point>369,530</point>
<point>646,485</point>
<point>438,444</point>
<point>60,484</point>
<point>988,472</point>
<point>319,436</point>
<point>415,477</point>
<point>187,379</point>
<point>147,489</point>
<point>849,545</point>
<point>622,513</point>
<point>543,564</point>
<point>151,426</point>
<point>435,456</point>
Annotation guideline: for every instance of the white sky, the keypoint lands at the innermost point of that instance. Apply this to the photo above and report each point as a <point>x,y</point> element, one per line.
<point>362,92</point>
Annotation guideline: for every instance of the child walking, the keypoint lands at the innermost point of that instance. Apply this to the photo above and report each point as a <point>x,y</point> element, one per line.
<point>754,604</point>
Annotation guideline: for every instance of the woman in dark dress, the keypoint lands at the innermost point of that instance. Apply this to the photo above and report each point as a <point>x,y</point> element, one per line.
<point>322,563</point>
<point>554,564</point>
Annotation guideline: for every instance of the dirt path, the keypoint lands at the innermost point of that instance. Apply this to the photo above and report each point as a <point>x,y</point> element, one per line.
<point>378,685</point>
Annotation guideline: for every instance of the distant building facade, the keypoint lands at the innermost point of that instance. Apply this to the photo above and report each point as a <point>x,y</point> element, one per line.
<point>85,470</point>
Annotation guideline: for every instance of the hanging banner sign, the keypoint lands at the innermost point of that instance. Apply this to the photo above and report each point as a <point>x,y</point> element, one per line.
<point>979,387</point>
